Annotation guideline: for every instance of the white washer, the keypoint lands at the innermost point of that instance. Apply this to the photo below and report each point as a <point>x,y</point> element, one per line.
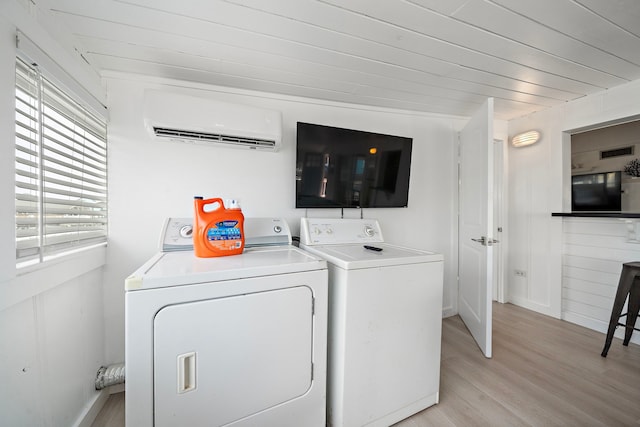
<point>235,341</point>
<point>385,322</point>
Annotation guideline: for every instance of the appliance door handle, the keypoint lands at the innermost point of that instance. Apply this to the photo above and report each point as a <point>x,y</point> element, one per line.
<point>186,372</point>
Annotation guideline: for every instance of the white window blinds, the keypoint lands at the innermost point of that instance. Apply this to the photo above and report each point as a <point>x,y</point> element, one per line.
<point>61,171</point>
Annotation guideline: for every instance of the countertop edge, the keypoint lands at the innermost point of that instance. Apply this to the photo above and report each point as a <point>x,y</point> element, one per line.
<point>597,214</point>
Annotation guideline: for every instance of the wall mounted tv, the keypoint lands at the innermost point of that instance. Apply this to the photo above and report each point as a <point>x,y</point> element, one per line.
<point>345,168</point>
<point>596,192</point>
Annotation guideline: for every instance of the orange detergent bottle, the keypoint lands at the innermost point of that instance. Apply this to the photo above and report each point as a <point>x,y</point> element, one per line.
<point>218,231</point>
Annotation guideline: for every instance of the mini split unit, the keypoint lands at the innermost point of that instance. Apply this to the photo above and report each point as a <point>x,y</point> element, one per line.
<point>177,117</point>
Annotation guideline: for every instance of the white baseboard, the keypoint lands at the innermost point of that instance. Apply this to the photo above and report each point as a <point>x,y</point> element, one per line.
<point>448,312</point>
<point>92,409</point>
<point>529,305</point>
<point>118,388</point>
<point>598,325</point>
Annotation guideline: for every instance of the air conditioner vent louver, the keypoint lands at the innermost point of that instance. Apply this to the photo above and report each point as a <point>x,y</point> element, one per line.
<point>217,138</point>
<point>617,152</point>
<point>178,117</point>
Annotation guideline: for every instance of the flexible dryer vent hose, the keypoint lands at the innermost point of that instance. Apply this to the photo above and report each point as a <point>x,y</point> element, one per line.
<point>110,375</point>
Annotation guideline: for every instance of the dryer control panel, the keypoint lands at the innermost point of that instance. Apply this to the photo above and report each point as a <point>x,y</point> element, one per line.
<point>177,233</point>
<point>329,231</point>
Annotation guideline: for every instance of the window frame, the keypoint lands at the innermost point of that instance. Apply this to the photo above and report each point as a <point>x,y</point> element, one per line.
<point>66,141</point>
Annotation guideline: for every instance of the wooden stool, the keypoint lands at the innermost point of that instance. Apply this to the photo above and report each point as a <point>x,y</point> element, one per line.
<point>629,285</point>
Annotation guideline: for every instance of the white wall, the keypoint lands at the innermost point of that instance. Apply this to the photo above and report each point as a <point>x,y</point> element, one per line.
<point>535,190</point>
<point>52,346</point>
<point>539,184</point>
<point>51,317</point>
<point>150,180</point>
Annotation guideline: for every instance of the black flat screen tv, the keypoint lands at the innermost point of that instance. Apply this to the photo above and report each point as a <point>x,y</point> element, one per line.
<point>597,192</point>
<point>346,168</point>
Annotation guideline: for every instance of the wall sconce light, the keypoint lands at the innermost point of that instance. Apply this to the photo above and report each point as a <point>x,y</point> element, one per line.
<point>526,138</point>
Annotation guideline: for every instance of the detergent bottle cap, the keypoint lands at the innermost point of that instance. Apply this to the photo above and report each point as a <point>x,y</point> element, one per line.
<point>233,204</point>
<point>198,197</point>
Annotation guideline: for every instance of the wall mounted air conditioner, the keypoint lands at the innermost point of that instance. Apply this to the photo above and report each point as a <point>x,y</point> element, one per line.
<point>184,118</point>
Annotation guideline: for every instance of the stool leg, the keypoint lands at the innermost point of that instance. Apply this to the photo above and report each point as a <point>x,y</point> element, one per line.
<point>632,312</point>
<point>624,285</point>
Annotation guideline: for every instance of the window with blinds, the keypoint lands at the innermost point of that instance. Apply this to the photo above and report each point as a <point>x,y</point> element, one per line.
<point>61,171</point>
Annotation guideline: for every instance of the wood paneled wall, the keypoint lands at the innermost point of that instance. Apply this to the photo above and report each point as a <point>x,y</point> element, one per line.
<point>594,250</point>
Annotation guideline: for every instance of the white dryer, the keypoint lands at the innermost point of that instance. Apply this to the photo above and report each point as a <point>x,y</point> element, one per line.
<point>385,321</point>
<point>227,341</point>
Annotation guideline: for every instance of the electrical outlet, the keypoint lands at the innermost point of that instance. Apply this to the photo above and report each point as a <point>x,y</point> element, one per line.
<point>521,273</point>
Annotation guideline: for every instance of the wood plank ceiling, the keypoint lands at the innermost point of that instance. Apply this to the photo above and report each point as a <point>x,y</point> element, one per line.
<point>441,56</point>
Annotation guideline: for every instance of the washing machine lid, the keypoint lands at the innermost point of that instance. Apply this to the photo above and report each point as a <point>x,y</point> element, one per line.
<point>184,268</point>
<point>355,256</point>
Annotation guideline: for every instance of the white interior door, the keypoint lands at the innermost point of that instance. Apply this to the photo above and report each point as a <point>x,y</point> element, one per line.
<point>475,223</point>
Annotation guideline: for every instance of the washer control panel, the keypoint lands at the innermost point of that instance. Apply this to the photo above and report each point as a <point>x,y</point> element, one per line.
<point>329,231</point>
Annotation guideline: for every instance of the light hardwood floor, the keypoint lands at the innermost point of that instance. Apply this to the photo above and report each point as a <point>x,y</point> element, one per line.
<point>544,372</point>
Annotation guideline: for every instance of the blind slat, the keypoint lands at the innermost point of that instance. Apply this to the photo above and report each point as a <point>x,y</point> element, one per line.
<point>30,148</point>
<point>67,108</point>
<point>72,210</point>
<point>27,186</point>
<point>73,132</point>
<point>73,128</point>
<point>29,174</point>
<point>53,177</point>
<point>81,198</point>
<point>23,102</point>
<point>50,161</point>
<point>55,242</point>
<point>27,248</point>
<point>56,156</point>
<point>26,124</point>
<point>51,201</point>
<point>25,162</point>
<point>69,175</point>
<point>27,233</point>
<point>69,240</point>
<point>73,148</point>
<point>62,220</point>
<point>71,110</point>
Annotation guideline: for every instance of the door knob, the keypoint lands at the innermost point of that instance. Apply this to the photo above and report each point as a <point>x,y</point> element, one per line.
<point>486,242</point>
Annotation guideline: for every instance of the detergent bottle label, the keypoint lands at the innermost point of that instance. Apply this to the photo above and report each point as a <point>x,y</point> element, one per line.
<point>225,235</point>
